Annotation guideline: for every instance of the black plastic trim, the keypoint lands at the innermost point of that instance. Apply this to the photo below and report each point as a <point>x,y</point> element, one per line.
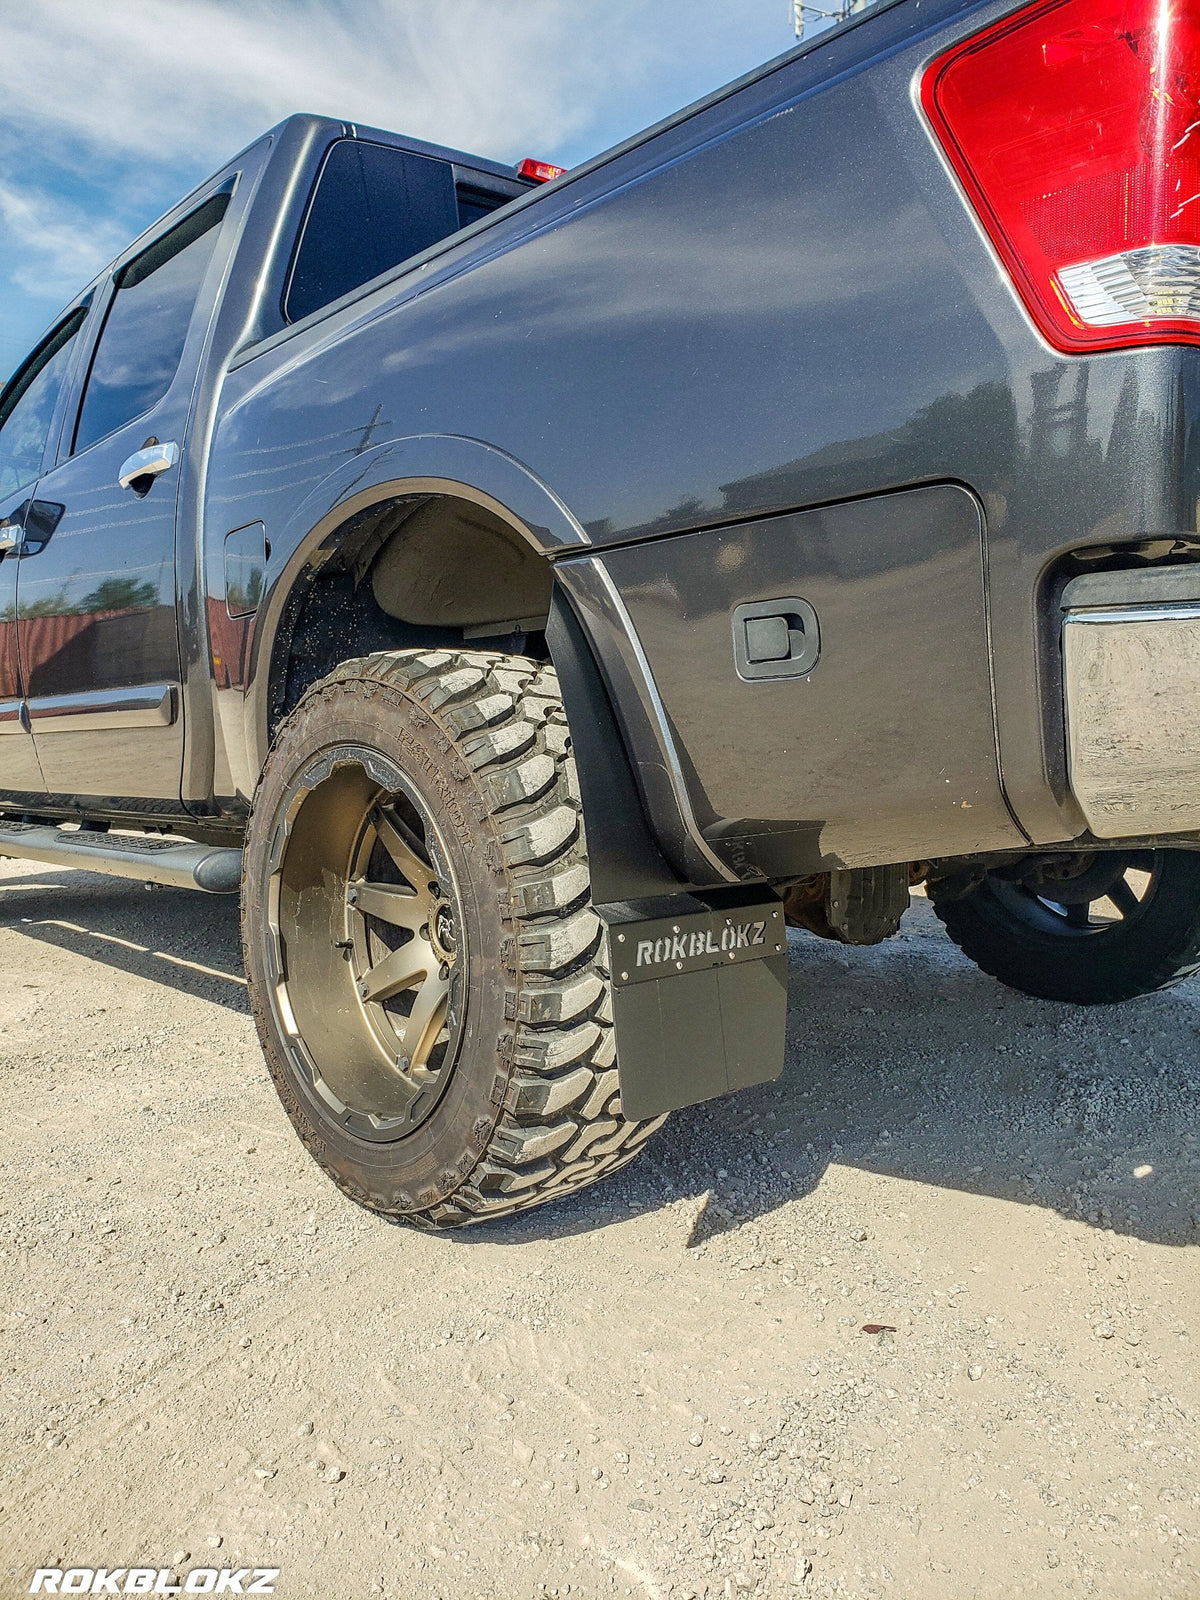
<point>626,862</point>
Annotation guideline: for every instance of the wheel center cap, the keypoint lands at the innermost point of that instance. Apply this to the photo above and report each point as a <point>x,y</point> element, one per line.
<point>441,932</point>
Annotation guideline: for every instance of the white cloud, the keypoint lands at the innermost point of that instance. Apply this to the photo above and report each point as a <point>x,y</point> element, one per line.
<point>158,79</point>
<point>53,249</point>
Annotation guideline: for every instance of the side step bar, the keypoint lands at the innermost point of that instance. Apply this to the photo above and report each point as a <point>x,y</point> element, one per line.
<point>174,862</point>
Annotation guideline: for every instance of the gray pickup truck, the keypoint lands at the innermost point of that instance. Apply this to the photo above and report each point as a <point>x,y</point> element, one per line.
<point>533,596</point>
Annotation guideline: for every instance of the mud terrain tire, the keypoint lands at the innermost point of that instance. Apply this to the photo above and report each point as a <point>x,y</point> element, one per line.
<point>517,1100</point>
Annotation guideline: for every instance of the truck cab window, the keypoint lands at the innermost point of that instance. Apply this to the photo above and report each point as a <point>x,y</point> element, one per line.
<point>27,410</point>
<point>474,203</point>
<point>373,207</point>
<point>147,323</point>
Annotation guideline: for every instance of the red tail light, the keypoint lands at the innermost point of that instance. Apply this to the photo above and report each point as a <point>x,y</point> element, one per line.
<point>539,171</point>
<point>1075,128</point>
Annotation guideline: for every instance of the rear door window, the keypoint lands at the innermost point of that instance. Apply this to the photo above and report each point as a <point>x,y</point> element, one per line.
<point>147,323</point>
<point>373,206</point>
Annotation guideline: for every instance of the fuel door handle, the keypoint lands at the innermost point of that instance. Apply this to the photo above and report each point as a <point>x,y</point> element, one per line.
<point>775,639</point>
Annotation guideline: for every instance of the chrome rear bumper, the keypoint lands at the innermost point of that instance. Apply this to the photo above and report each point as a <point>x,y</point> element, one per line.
<point>1131,675</point>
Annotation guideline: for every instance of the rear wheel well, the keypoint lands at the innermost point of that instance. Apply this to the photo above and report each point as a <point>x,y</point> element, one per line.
<point>414,571</point>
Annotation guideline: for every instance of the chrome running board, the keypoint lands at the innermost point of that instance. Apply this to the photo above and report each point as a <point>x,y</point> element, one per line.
<point>174,862</point>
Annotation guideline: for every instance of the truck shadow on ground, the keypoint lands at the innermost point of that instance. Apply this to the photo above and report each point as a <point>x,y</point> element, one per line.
<point>902,1060</point>
<point>176,937</point>
<point>906,1061</point>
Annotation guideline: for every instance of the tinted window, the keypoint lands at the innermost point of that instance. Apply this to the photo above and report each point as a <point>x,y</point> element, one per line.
<point>476,203</point>
<point>372,208</point>
<point>28,408</point>
<point>147,323</point>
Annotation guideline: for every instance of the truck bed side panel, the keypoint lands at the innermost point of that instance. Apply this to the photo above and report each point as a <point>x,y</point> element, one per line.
<point>885,750</point>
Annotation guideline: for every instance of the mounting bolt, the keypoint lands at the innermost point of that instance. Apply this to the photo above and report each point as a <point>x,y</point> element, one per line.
<point>352,896</point>
<point>620,938</point>
<point>624,977</point>
<point>362,987</point>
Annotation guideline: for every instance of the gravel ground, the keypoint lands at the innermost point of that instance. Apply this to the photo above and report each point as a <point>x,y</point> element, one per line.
<point>665,1386</point>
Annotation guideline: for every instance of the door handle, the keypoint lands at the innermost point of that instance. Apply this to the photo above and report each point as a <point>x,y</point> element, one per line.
<point>148,463</point>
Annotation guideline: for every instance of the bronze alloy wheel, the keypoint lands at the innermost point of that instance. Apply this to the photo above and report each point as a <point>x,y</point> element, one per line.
<point>428,977</point>
<point>373,1022</point>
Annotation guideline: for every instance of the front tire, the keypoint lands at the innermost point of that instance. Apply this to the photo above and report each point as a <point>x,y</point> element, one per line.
<point>1124,923</point>
<point>426,972</point>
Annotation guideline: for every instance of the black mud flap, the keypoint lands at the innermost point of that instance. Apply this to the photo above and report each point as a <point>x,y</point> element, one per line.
<point>699,995</point>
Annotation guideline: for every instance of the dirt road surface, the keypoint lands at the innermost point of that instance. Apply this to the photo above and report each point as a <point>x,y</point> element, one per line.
<point>661,1387</point>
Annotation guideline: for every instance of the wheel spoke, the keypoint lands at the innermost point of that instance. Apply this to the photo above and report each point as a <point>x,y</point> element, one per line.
<point>399,970</point>
<point>426,1021</point>
<point>1122,896</point>
<point>392,903</point>
<point>393,837</point>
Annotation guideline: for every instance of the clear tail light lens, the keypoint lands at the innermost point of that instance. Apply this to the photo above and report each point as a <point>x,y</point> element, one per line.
<point>1075,128</point>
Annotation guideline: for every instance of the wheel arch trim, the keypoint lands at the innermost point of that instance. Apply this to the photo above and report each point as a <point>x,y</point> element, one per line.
<point>420,464</point>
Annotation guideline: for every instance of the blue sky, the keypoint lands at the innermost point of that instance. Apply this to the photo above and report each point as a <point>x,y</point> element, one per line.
<point>113,109</point>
